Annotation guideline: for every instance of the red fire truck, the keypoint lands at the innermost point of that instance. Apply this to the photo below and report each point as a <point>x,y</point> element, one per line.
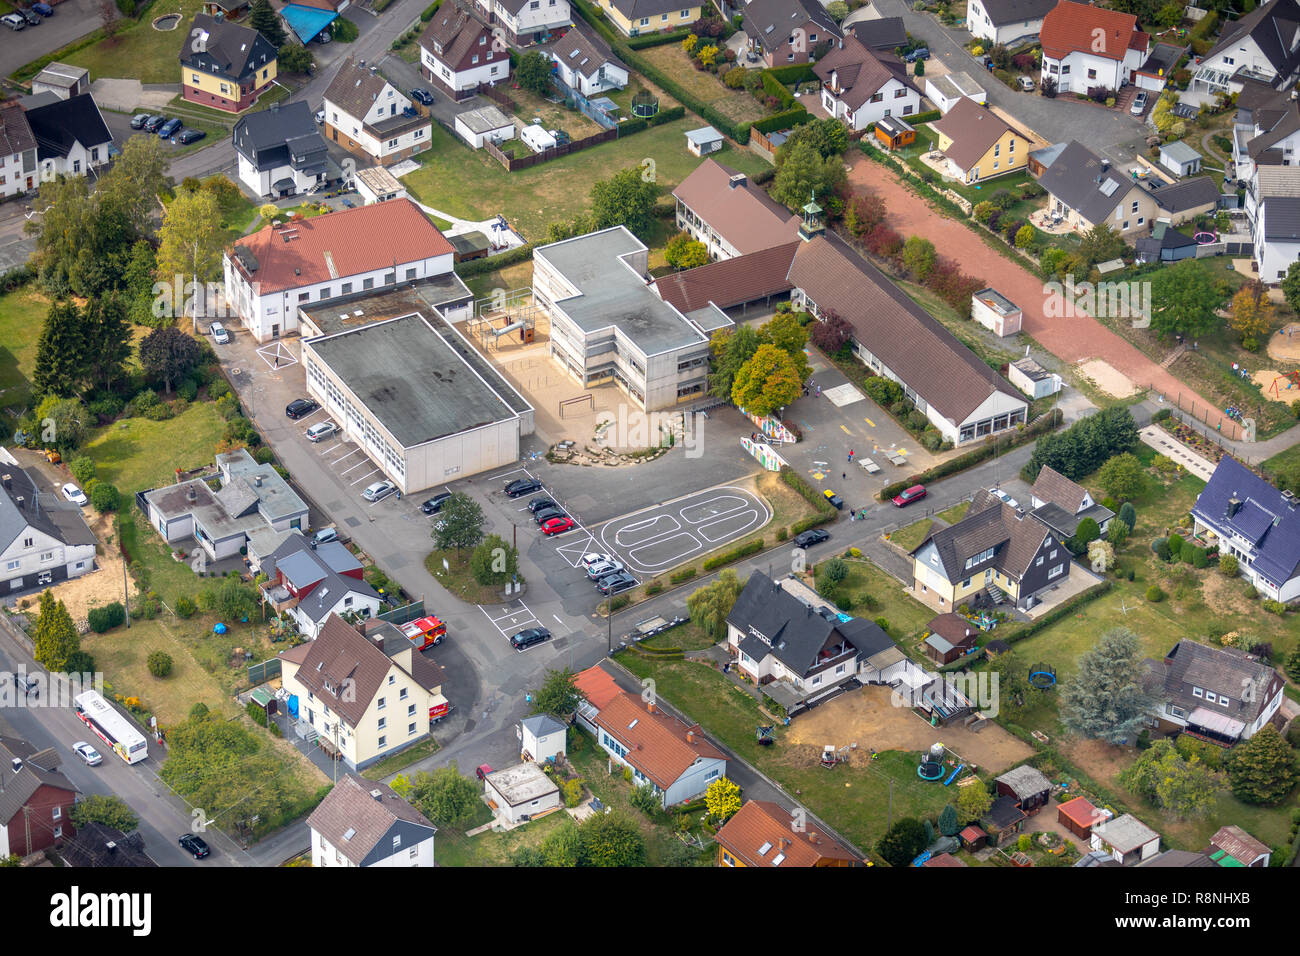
<point>425,633</point>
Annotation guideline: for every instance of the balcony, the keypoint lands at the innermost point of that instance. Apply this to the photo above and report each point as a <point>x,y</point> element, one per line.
<point>279,598</point>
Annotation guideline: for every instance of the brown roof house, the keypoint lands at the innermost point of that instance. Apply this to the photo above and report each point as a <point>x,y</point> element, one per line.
<point>788,31</point>
<point>761,834</point>
<point>1061,503</point>
<point>597,689</point>
<point>662,751</point>
<point>861,86</point>
<point>457,52</point>
<point>730,214</point>
<point>355,699</point>
<point>364,823</point>
<point>951,637</point>
<point>1218,693</point>
<point>36,799</point>
<point>369,116</point>
<point>979,144</point>
<point>1027,785</point>
<point>1003,820</point>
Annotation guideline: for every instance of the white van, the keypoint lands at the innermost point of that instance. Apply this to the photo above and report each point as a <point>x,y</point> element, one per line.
<point>325,535</point>
<point>321,431</point>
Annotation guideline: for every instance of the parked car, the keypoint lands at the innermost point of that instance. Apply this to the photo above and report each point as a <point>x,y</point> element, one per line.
<point>1139,104</point>
<point>483,770</point>
<point>1004,497</point>
<point>378,491</point>
<point>152,124</point>
<point>618,581</point>
<point>325,536</point>
<point>44,9</point>
<point>320,117</point>
<point>321,430</point>
<point>834,499</point>
<point>904,498</point>
<point>522,486</point>
<point>806,539</point>
<point>557,526</point>
<point>74,494</point>
<point>540,502</point>
<point>190,136</point>
<point>434,504</point>
<point>524,640</point>
<point>172,125</point>
<point>87,753</point>
<point>13,21</point>
<point>1025,83</point>
<point>546,514</point>
<point>194,845</point>
<point>219,333</point>
<point>138,120</point>
<point>920,53</point>
<point>595,557</point>
<point>604,569</point>
<point>31,16</point>
<point>300,407</point>
<point>422,96</point>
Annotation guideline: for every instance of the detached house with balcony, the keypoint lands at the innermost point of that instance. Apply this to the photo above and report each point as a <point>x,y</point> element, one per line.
<point>1006,22</point>
<point>1262,46</point>
<point>635,17</point>
<point>1266,131</point>
<point>584,61</point>
<point>979,144</point>
<point>310,582</point>
<point>861,86</point>
<point>43,540</point>
<point>458,52</point>
<point>280,152</point>
<point>368,116</point>
<point>1085,46</point>
<point>224,65</point>
<point>782,32</point>
<point>1273,211</point>
<point>1255,523</point>
<point>670,755</point>
<point>1221,694</point>
<point>526,21</point>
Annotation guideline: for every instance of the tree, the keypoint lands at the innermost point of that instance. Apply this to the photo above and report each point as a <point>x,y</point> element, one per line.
<point>494,562</point>
<point>948,822</point>
<point>828,136</point>
<point>460,524</point>
<point>1181,786</point>
<point>786,332</point>
<point>1291,286</point>
<point>107,338</point>
<point>1025,236</point>
<point>1105,700</point>
<point>1184,300</point>
<point>1263,769</point>
<point>231,599</point>
<point>77,241</point>
<point>919,256</point>
<point>159,663</point>
<point>1128,515</point>
<point>732,351</point>
<point>56,635</point>
<point>60,352</point>
<point>611,839</point>
<point>770,380</point>
<point>837,10</point>
<point>190,238</point>
<point>562,848</point>
<point>919,69</point>
<point>709,606</point>
<point>903,842</point>
<point>1086,532</point>
<point>444,796</point>
<point>627,198</point>
<point>534,73</point>
<point>804,173</point>
<point>1122,476</point>
<point>1083,447</point>
<point>111,811</point>
<point>64,421</point>
<point>972,803</point>
<point>141,269</point>
<point>264,20</point>
<point>832,333</point>
<point>169,354</point>
<point>295,58</point>
<point>559,694</point>
<point>723,799</point>
<point>1100,243</point>
<point>684,252</point>
<point>1252,313</point>
<point>131,188</point>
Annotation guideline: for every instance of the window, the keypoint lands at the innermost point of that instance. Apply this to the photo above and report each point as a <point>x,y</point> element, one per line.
<point>1039,562</point>
<point>1135,206</point>
<point>410,273</point>
<point>1053,554</point>
<point>1011,147</point>
<point>383,742</point>
<point>645,21</point>
<point>347,288</point>
<point>402,695</point>
<point>383,723</point>
<point>1223,701</point>
<point>410,711</point>
<point>415,849</point>
<point>474,58</point>
<point>304,296</point>
<point>383,702</point>
<point>995,164</point>
<point>325,292</point>
<point>194,78</point>
<point>482,41</point>
<point>1141,219</point>
<point>28,542</point>
<point>997,149</point>
<point>58,832</point>
<point>47,556</point>
<point>898,94</point>
<point>966,583</point>
<point>1125,226</point>
<point>686,14</point>
<point>907,109</point>
<point>1064,69</point>
<point>76,165</point>
<point>876,98</point>
<point>410,729</point>
<point>1055,572</point>
<point>1211,696</point>
<point>663,17</point>
<point>1092,74</point>
<point>58,813</point>
<point>393,680</point>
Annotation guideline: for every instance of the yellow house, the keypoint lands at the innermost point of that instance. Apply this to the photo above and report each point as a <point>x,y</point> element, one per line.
<point>225,66</point>
<point>634,17</point>
<point>362,703</point>
<point>978,144</point>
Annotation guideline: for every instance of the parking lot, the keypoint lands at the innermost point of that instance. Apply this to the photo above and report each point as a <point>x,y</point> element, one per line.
<point>658,539</point>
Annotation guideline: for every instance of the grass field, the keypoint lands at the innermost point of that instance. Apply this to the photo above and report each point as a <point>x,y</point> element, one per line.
<point>910,538</point>
<point>471,185</point>
<point>137,454</point>
<point>955,513</point>
<point>145,548</point>
<point>737,105</point>
<point>22,313</point>
<point>906,616</point>
<point>139,51</point>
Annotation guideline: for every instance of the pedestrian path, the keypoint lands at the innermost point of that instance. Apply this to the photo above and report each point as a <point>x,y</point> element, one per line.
<point>1171,448</point>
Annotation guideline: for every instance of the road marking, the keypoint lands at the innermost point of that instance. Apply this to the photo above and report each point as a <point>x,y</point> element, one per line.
<point>557,620</point>
<point>845,430</point>
<point>373,471</point>
<point>869,422</point>
<point>361,464</point>
<point>348,455</point>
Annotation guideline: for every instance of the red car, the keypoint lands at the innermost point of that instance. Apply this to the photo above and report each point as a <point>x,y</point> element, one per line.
<point>915,493</point>
<point>557,525</point>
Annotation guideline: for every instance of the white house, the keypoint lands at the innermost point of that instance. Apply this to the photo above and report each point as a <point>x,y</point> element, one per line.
<point>944,91</point>
<point>62,80</point>
<point>541,737</point>
<point>1220,693</point>
<point>364,823</point>
<point>1180,158</point>
<point>280,151</point>
<point>1005,22</point>
<point>1127,839</point>
<point>1263,45</point>
<point>1086,47</point>
<point>458,52</point>
<point>18,171</point>
<point>584,62</point>
<point>1273,211</point>
<point>71,136</point>
<point>311,583</point>
<point>1031,378</point>
<point>702,141</point>
<point>377,184</point>
<point>860,85</point>
<point>487,124</point>
<point>272,272</point>
<point>522,793</point>
<point>367,115</point>
<point>42,542</point>
<point>526,21</point>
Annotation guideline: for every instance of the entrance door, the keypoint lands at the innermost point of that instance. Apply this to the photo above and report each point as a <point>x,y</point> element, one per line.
<point>275,331</point>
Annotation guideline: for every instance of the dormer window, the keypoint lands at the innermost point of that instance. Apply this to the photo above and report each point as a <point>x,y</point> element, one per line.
<point>482,41</point>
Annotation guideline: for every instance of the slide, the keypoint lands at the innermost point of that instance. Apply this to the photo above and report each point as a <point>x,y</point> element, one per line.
<point>960,768</point>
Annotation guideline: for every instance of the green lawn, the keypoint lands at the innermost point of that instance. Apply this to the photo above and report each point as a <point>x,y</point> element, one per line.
<point>22,313</point>
<point>139,51</point>
<point>906,616</point>
<point>137,454</point>
<point>910,538</point>
<point>147,550</point>
<point>955,513</point>
<point>469,184</point>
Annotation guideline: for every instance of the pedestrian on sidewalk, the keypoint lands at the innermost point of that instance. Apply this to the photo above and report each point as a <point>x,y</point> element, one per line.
<point>853,515</point>
<point>844,476</point>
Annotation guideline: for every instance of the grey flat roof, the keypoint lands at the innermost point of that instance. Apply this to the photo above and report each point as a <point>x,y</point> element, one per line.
<point>710,318</point>
<point>997,301</point>
<point>1180,152</point>
<point>411,379</point>
<point>612,295</point>
<point>485,119</point>
<point>275,499</point>
<point>365,308</point>
<point>521,784</point>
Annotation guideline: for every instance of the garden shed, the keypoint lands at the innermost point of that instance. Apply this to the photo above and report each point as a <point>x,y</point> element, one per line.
<point>1180,159</point>
<point>1003,820</point>
<point>1027,785</point>
<point>1078,816</point>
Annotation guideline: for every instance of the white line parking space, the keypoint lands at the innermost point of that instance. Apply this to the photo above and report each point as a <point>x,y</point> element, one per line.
<point>511,619</point>
<point>277,355</point>
<point>654,540</point>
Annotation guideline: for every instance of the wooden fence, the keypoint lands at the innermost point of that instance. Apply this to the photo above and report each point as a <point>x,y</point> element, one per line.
<point>512,163</point>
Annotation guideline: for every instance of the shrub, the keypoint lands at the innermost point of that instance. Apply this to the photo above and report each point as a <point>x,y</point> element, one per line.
<point>1273,607</point>
<point>188,390</point>
<point>185,607</point>
<point>256,712</point>
<point>684,575</point>
<point>159,663</point>
<point>105,497</point>
<point>1161,548</point>
<point>82,468</point>
<point>106,618</point>
<point>1025,236</point>
<point>1228,565</point>
<point>1154,594</point>
<point>263,455</point>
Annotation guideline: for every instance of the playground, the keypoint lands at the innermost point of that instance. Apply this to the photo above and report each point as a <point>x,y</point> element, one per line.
<point>869,718</point>
<point>1278,386</point>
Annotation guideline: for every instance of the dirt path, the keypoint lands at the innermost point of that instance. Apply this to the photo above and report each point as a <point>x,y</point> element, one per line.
<point>1074,339</point>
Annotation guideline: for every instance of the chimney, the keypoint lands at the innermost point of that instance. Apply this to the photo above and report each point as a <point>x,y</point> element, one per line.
<point>19,502</point>
<point>377,796</point>
<point>191,493</point>
<point>110,846</point>
<point>1020,514</point>
<point>1234,505</point>
<point>8,481</point>
<point>17,764</point>
<point>739,179</point>
<point>257,481</point>
<point>690,736</point>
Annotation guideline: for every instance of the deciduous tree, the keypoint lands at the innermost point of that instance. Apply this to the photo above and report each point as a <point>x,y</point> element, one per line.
<point>709,606</point>
<point>190,238</point>
<point>723,799</point>
<point>1184,300</point>
<point>770,380</point>
<point>627,198</point>
<point>972,803</point>
<point>804,173</point>
<point>460,523</point>
<point>1252,313</point>
<point>904,841</point>
<point>731,350</point>
<point>558,695</point>
<point>169,354</point>
<point>611,839</point>
<point>444,796</point>
<point>112,811</point>
<point>494,561</point>
<point>1122,476</point>
<point>534,73</point>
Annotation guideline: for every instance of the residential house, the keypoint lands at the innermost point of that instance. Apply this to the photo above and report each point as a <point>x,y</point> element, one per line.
<point>404,650</point>
<point>978,144</point>
<point>377,184</point>
<point>1061,504</point>
<point>1221,694</point>
<point>731,215</point>
<point>1262,46</point>
<point>365,823</point>
<point>487,124</point>
<point>358,702</point>
<point>18,171</point>
<point>71,137</point>
<point>996,551</point>
<point>1239,846</point>
<point>760,834</point>
<point>797,652</point>
<point>225,65</point>
<point>526,21</point>
<point>1085,191</point>
<point>458,52</point>
<point>62,80</point>
<point>944,91</point>
<point>280,151</point>
<point>542,737</point>
<point>1005,22</point>
<point>597,689</point>
<point>635,17</point>
<point>1126,839</point>
<point>951,637</point>
<point>1266,129</point>
<point>1273,211</point>
<point>788,31</point>
<point>670,755</point>
<point>252,498</point>
<point>584,62</point>
<point>312,582</point>
<point>1028,786</point>
<point>861,86</point>
<point>1255,523</point>
<point>880,33</point>
<point>42,540</point>
<point>1180,158</point>
<point>1185,200</point>
<point>98,845</point>
<point>1085,47</point>
<point>1003,820</point>
<point>522,793</point>
<point>1079,816</point>
<point>1031,378</point>
<point>369,116</point>
<point>36,799</point>
<point>273,272</point>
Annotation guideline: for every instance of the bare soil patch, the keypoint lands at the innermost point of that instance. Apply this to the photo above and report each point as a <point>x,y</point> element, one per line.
<point>1099,760</point>
<point>1107,378</point>
<point>101,586</point>
<point>1284,345</point>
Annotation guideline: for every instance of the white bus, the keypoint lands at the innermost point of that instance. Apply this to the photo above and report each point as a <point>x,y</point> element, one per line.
<point>111,727</point>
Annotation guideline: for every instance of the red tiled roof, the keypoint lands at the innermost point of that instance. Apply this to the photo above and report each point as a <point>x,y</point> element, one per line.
<point>761,822</point>
<point>1079,810</point>
<point>596,686</point>
<point>657,744</point>
<point>943,859</point>
<point>972,834</point>
<point>340,244</point>
<point>729,282</point>
<point>1070,27</point>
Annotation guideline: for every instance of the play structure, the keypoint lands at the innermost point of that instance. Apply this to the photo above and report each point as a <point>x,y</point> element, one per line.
<point>644,104</point>
<point>832,757</point>
<point>1205,238</point>
<point>931,767</point>
<point>503,314</point>
<point>1042,676</point>
<point>1292,378</point>
<point>765,736</point>
<point>981,619</point>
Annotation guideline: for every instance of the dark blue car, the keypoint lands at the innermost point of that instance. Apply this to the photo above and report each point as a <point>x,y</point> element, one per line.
<point>44,9</point>
<point>169,127</point>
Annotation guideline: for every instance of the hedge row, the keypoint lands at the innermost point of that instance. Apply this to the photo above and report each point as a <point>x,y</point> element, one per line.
<point>825,510</point>
<point>780,121</point>
<point>492,263</point>
<point>791,73</point>
<point>105,618</point>
<point>774,87</point>
<point>927,117</point>
<point>636,124</point>
<point>735,554</point>
<point>657,39</point>
<point>952,466</point>
<point>684,575</point>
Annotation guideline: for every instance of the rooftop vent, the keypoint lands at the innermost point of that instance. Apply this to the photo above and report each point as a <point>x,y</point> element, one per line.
<point>377,796</point>
<point>739,179</point>
<point>110,846</point>
<point>17,764</point>
<point>191,494</point>
<point>19,502</point>
<point>8,481</point>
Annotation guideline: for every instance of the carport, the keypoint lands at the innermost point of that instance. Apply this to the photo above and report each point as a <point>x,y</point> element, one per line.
<point>307,22</point>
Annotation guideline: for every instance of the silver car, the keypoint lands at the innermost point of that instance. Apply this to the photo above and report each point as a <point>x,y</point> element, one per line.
<point>602,569</point>
<point>87,753</point>
<point>380,489</point>
<point>219,334</point>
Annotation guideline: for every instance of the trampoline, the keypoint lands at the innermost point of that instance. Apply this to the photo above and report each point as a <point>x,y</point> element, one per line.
<point>1042,676</point>
<point>645,104</point>
<point>930,770</point>
<point>1205,238</point>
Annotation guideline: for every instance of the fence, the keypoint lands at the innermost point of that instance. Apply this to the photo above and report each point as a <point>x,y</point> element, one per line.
<point>263,672</point>
<point>498,96</point>
<point>512,163</point>
<point>405,614</point>
<point>583,105</point>
<point>1215,422</point>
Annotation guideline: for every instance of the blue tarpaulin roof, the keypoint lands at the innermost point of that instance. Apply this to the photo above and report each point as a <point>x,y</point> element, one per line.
<point>307,22</point>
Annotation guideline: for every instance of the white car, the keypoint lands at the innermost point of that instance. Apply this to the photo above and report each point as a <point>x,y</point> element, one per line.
<point>595,557</point>
<point>74,494</point>
<point>219,334</point>
<point>321,431</point>
<point>87,753</point>
<point>320,117</point>
<point>1004,497</point>
<point>380,489</point>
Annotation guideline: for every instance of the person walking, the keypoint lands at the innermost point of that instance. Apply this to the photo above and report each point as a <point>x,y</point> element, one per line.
<point>844,475</point>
